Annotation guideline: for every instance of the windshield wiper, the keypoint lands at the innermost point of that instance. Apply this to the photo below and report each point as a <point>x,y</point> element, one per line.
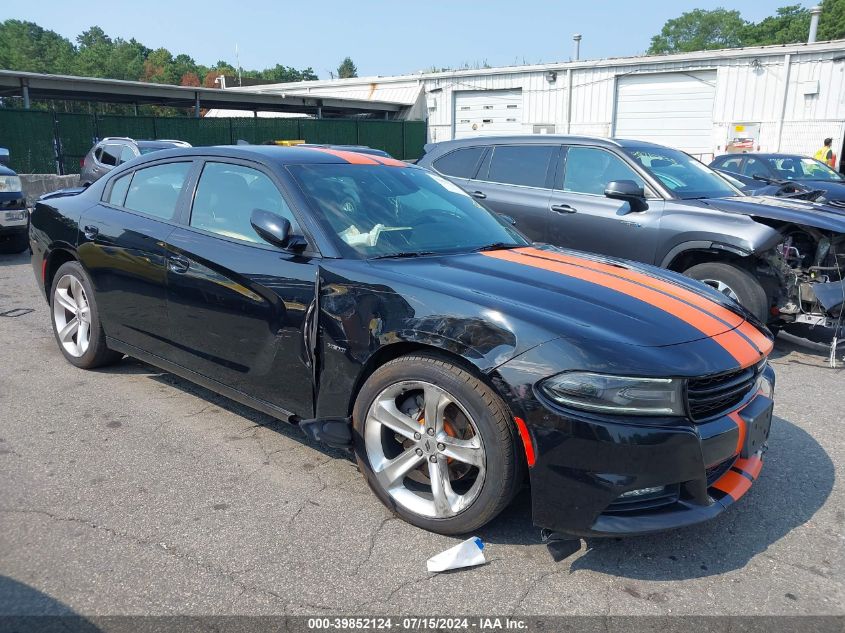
<point>403,254</point>
<point>496,246</point>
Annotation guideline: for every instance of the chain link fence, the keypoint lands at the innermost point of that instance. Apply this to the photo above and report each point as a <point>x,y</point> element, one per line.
<point>42,142</point>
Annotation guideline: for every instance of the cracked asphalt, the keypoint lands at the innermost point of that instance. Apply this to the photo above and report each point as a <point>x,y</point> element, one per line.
<point>130,491</point>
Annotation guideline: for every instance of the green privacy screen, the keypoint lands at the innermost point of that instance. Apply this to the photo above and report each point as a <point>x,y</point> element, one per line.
<point>52,142</point>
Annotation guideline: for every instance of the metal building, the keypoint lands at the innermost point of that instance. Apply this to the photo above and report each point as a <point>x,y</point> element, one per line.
<point>775,98</point>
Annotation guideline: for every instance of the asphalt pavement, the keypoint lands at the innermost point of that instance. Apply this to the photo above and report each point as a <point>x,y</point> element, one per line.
<point>127,490</point>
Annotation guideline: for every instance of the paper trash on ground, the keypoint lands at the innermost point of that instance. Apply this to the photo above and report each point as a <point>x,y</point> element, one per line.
<point>466,554</point>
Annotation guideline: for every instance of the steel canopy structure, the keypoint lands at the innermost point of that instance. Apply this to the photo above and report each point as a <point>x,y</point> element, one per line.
<point>31,86</point>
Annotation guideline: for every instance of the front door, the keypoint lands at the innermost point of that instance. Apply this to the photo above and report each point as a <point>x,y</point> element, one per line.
<point>237,306</point>
<point>585,219</point>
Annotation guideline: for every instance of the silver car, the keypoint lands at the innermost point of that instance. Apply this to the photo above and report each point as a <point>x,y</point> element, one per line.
<point>116,150</point>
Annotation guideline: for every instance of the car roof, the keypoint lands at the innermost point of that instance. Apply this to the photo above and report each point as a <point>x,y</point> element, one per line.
<point>543,139</point>
<point>161,143</point>
<point>283,155</point>
<point>766,155</point>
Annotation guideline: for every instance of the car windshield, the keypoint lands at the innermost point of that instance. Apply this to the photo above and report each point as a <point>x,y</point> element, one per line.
<point>681,174</point>
<point>798,168</point>
<point>377,211</point>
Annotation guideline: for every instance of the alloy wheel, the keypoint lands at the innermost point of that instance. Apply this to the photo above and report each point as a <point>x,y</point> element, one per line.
<point>722,287</point>
<point>425,449</point>
<point>72,315</point>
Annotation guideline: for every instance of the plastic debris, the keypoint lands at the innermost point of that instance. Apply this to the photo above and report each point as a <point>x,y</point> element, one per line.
<point>467,554</point>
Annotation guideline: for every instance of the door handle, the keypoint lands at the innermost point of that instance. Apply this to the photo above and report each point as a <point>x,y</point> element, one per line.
<point>479,194</point>
<point>178,264</point>
<point>563,208</point>
<point>91,232</point>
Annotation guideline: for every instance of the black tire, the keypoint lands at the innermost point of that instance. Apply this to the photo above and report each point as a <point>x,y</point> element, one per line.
<point>504,462</point>
<point>97,354</point>
<point>15,244</point>
<point>748,290</point>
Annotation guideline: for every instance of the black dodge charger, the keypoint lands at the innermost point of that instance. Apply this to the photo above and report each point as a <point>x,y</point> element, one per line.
<point>381,308</point>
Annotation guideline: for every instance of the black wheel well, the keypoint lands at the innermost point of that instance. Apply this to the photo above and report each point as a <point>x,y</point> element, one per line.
<point>688,259</point>
<point>391,352</point>
<point>54,262</point>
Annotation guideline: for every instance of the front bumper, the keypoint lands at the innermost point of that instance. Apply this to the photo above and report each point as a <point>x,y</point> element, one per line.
<point>583,466</point>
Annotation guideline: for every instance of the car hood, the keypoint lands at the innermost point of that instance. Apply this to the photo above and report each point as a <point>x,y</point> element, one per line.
<point>570,294</point>
<point>784,209</point>
<point>6,171</point>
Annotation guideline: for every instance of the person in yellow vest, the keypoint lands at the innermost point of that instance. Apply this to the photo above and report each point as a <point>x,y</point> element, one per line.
<point>825,154</point>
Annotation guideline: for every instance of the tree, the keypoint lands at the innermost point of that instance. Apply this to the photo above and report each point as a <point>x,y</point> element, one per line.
<point>27,47</point>
<point>789,26</point>
<point>159,67</point>
<point>832,20</point>
<point>700,30</point>
<point>347,69</point>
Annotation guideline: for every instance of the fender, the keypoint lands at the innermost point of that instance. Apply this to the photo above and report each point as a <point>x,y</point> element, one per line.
<point>756,244</point>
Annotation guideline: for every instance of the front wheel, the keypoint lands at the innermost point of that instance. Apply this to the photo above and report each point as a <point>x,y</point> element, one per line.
<point>436,444</point>
<point>76,321</point>
<point>736,283</point>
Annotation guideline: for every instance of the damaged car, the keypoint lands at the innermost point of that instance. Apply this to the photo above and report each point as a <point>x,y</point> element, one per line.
<point>383,310</point>
<point>781,258</point>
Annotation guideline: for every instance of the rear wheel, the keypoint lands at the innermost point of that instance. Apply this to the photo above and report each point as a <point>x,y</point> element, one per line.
<point>76,321</point>
<point>734,282</point>
<point>436,444</point>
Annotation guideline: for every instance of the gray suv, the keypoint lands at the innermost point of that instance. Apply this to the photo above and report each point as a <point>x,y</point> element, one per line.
<point>116,150</point>
<point>779,258</point>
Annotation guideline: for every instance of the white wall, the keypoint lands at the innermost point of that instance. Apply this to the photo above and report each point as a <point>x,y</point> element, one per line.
<point>750,88</point>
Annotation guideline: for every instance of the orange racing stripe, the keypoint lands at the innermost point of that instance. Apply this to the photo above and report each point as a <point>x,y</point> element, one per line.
<point>731,318</point>
<point>737,346</point>
<point>755,336</point>
<point>733,484</point>
<point>386,160</point>
<point>351,157</point>
<point>751,466</point>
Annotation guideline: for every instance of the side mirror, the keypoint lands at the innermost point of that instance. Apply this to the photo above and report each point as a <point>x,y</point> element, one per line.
<point>629,191</point>
<point>4,156</point>
<point>272,227</point>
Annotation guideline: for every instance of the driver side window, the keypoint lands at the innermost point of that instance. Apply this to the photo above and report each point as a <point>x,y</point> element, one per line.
<point>227,195</point>
<point>589,169</point>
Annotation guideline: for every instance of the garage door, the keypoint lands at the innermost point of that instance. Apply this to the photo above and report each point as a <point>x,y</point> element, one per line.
<point>488,112</point>
<point>674,109</point>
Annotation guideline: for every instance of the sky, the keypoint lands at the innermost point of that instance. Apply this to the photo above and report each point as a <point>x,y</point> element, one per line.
<point>382,37</point>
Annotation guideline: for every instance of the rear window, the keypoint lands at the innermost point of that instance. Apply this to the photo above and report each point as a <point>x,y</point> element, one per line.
<point>110,155</point>
<point>461,163</point>
<point>155,190</point>
<point>525,165</point>
<point>118,190</point>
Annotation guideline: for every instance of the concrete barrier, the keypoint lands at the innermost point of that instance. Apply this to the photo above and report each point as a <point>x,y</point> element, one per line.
<point>35,185</point>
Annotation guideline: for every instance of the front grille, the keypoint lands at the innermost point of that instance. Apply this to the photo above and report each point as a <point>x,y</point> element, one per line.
<point>714,395</point>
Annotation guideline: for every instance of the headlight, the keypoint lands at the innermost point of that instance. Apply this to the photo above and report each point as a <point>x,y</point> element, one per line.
<point>616,394</point>
<point>10,183</point>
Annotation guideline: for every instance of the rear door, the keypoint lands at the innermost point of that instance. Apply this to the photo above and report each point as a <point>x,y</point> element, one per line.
<point>239,308</point>
<point>516,180</point>
<point>585,219</point>
<point>460,165</point>
<point>122,244</point>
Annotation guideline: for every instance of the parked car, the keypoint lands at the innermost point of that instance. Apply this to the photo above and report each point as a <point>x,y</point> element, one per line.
<point>14,216</point>
<point>379,307</point>
<point>779,258</point>
<point>759,172</point>
<point>116,150</point>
